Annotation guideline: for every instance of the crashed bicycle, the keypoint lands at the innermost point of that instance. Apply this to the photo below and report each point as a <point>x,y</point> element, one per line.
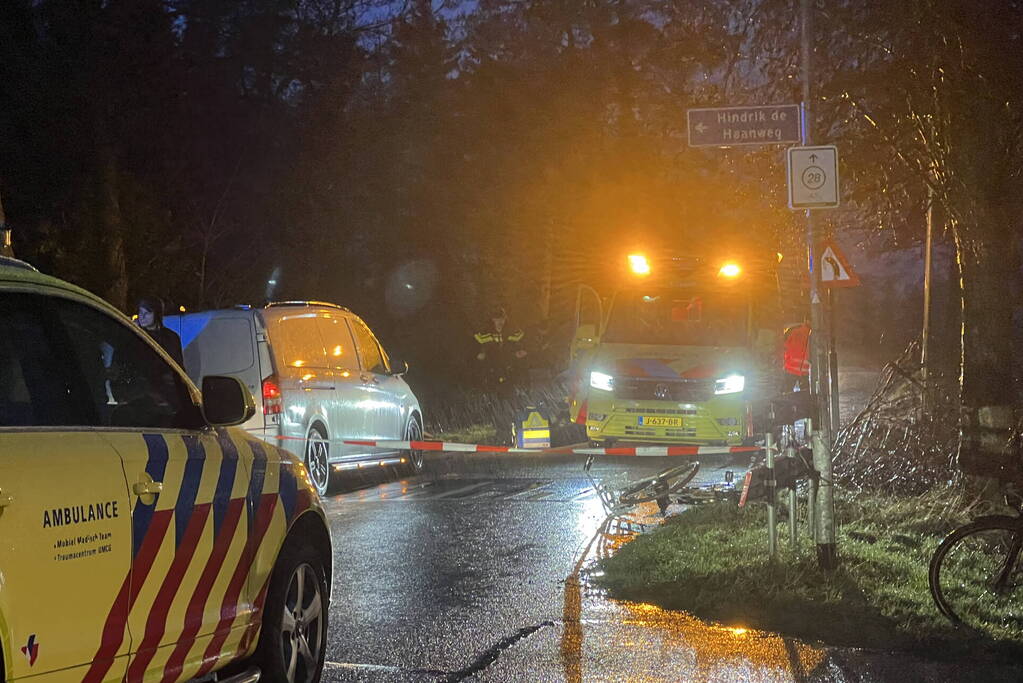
<point>669,486</point>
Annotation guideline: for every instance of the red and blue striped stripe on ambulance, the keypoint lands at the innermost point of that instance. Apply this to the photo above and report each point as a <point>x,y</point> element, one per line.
<point>150,526</point>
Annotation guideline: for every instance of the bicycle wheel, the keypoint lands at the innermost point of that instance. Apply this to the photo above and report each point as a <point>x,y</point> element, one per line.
<point>976,575</point>
<point>659,485</point>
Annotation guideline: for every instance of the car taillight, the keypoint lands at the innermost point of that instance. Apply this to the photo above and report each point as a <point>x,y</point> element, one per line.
<point>273,404</point>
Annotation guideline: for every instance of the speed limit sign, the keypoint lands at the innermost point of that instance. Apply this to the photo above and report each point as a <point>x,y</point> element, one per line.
<point>813,177</point>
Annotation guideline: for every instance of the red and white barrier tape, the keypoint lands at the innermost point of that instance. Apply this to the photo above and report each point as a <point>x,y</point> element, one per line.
<point>447,446</point>
<point>651,451</point>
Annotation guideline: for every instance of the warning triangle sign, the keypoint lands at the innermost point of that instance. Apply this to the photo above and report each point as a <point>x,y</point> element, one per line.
<point>835,268</point>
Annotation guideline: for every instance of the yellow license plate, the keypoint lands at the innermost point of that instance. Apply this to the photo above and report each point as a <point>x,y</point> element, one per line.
<point>654,421</point>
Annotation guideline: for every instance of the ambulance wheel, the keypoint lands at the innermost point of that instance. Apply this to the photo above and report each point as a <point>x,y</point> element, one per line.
<point>317,458</point>
<point>292,642</point>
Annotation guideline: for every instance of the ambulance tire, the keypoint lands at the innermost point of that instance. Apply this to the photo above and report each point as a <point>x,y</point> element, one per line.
<point>294,617</point>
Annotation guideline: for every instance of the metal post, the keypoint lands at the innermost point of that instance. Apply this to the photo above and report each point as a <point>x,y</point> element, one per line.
<point>827,556</point>
<point>790,451</point>
<point>811,493</point>
<point>772,499</point>
<point>793,513</point>
<point>835,414</point>
<point>926,332</point>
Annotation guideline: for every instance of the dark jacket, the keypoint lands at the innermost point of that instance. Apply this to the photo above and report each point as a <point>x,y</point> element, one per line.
<point>170,341</point>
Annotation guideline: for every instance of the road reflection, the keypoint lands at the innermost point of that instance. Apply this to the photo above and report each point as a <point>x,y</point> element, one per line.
<point>718,652</point>
<point>691,649</point>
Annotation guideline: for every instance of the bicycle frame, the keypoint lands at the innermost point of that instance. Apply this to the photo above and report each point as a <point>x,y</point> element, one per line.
<point>1012,557</point>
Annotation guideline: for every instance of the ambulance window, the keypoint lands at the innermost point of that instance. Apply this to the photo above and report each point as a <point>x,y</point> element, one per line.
<point>130,384</point>
<point>35,389</point>
<point>372,356</point>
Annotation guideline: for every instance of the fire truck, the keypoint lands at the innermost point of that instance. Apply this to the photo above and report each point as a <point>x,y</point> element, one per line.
<point>676,349</point>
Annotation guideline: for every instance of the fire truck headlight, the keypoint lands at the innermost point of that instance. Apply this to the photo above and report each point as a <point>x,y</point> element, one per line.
<point>602,381</point>
<point>732,384</point>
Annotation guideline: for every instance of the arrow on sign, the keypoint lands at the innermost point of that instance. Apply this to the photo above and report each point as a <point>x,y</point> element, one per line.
<point>700,127</point>
<point>835,269</point>
<point>813,158</point>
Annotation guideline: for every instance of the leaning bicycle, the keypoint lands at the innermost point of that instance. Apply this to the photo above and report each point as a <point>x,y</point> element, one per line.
<point>976,573</point>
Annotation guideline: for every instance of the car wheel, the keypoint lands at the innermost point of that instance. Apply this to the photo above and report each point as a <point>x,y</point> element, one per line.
<point>317,459</point>
<point>292,643</point>
<point>413,432</point>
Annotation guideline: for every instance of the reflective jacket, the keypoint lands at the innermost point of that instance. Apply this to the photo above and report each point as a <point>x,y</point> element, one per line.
<point>796,350</point>
<point>499,338</point>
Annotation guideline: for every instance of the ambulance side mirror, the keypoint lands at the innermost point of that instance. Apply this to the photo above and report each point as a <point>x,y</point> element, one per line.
<point>226,401</point>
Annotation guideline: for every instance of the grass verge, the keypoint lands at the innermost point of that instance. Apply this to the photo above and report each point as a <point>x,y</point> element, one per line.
<point>711,562</point>
<point>477,433</point>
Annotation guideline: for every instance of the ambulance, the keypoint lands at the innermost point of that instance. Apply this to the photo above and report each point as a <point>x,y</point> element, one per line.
<point>676,349</point>
<point>143,537</point>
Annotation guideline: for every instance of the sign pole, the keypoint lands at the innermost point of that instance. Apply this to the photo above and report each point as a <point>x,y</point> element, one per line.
<point>836,418</point>
<point>811,493</point>
<point>827,557</point>
<point>772,497</point>
<point>790,451</point>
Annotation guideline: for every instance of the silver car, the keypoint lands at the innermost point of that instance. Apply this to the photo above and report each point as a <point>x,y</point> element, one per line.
<point>321,374</point>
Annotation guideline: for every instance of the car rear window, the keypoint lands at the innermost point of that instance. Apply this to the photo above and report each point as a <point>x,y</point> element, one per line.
<point>222,346</point>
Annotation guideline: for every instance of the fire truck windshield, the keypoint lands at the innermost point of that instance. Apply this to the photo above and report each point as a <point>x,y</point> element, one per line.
<point>677,318</point>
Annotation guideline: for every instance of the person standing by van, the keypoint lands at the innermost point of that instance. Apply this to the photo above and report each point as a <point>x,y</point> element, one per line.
<point>150,319</point>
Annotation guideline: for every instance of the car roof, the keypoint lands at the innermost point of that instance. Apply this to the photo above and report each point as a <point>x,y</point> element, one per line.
<point>16,263</point>
<point>274,311</point>
<point>15,274</point>
<point>287,309</point>
<point>307,304</point>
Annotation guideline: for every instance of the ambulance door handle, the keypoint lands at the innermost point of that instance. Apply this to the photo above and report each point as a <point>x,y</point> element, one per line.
<point>147,488</point>
<point>370,379</point>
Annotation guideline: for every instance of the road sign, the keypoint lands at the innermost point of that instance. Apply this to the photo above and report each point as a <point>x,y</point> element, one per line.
<point>813,177</point>
<point>756,125</point>
<point>835,269</point>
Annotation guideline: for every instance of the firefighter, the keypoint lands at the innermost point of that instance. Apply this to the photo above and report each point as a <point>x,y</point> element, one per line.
<point>501,352</point>
<point>796,358</point>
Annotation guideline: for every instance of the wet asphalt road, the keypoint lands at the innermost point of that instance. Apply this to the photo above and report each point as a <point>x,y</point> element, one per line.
<point>471,571</point>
